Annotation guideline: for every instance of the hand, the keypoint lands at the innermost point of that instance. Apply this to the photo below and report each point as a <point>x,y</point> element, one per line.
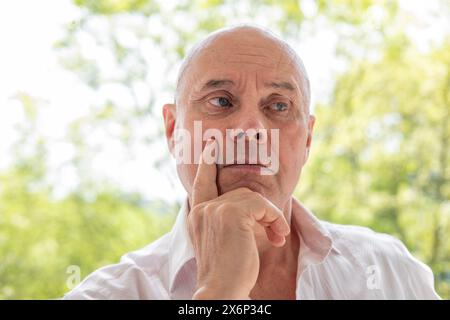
<point>221,230</point>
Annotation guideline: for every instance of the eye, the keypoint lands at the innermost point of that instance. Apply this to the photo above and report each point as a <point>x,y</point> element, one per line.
<point>220,102</point>
<point>279,106</point>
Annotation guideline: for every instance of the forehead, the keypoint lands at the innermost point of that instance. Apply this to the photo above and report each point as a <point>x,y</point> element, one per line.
<point>246,58</point>
<point>250,54</point>
<point>237,60</point>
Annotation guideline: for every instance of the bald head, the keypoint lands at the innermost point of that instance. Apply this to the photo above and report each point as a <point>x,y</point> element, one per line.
<point>244,44</point>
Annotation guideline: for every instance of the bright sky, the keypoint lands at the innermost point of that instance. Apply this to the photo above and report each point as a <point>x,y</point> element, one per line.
<point>28,63</point>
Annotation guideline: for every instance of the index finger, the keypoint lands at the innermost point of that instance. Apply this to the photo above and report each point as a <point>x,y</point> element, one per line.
<point>205,187</point>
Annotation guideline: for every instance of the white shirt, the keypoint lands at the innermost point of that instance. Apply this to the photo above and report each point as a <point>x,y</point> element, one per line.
<point>335,262</point>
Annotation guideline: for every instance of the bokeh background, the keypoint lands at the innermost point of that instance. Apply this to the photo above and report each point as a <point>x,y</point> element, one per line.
<point>85,175</point>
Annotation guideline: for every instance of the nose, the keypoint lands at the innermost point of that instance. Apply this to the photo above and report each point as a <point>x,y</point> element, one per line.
<point>249,128</point>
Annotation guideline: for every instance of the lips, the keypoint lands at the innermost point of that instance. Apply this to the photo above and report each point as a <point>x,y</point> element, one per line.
<point>254,168</point>
<point>247,164</point>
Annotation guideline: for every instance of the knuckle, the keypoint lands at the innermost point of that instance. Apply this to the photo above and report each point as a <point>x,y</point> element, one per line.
<point>201,211</point>
<point>226,212</point>
<point>196,212</point>
<point>223,209</point>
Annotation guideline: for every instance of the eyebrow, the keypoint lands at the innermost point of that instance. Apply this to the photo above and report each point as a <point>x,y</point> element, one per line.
<point>280,85</point>
<point>218,83</point>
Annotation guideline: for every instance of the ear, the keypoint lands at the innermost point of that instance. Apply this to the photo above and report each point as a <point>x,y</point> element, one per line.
<point>170,115</point>
<point>311,122</point>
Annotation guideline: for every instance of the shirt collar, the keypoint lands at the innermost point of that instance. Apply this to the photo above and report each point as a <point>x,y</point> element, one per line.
<point>315,240</point>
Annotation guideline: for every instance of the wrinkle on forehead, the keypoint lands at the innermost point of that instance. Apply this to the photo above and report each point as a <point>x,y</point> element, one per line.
<point>249,50</point>
<point>249,55</point>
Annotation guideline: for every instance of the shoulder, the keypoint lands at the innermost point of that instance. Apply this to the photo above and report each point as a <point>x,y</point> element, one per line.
<point>384,256</point>
<point>138,275</point>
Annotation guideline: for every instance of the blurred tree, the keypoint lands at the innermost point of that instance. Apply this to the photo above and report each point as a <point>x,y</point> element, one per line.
<point>381,152</point>
<point>40,237</point>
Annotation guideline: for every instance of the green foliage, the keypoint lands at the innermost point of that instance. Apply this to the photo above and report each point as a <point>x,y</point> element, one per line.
<point>108,7</point>
<point>40,237</point>
<point>380,155</point>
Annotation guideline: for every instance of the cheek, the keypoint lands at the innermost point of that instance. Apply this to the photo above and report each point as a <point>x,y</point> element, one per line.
<point>293,147</point>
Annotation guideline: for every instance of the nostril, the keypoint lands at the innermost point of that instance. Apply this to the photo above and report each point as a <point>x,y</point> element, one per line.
<point>240,134</point>
<point>258,135</point>
<point>261,136</point>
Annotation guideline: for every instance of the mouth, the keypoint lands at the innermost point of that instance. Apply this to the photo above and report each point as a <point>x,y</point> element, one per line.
<point>254,168</point>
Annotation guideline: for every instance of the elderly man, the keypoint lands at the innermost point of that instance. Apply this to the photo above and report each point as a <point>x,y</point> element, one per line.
<point>240,233</point>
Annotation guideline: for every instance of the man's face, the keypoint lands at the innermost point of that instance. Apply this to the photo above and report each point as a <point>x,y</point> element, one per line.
<point>244,80</point>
